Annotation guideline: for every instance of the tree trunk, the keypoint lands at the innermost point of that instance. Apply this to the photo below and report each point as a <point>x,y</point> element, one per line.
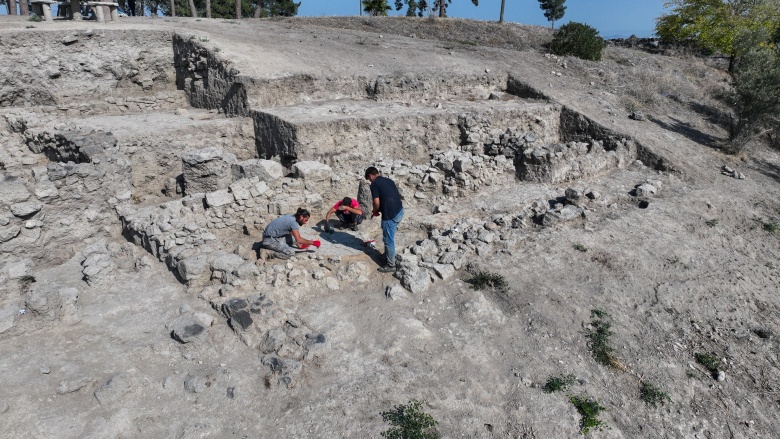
<point>208,8</point>
<point>11,5</point>
<point>442,14</point>
<point>238,9</point>
<point>24,10</point>
<point>193,11</point>
<point>173,8</point>
<point>501,18</point>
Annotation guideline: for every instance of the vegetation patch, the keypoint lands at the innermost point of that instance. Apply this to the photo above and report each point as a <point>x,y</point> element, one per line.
<point>652,395</point>
<point>771,227</point>
<point>409,422</point>
<point>35,17</point>
<point>579,40</point>
<point>589,410</point>
<point>599,343</point>
<point>558,383</point>
<point>487,279</point>
<point>709,361</point>
<point>711,223</point>
<point>580,248</point>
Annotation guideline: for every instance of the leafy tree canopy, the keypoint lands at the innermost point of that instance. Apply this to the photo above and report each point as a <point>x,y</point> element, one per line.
<point>715,24</point>
<point>553,10</point>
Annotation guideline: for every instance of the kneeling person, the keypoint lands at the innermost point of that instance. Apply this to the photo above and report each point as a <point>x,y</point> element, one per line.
<point>282,232</point>
<point>348,211</point>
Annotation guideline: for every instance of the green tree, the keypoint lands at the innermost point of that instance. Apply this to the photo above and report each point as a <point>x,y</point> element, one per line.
<point>715,24</point>
<point>440,6</point>
<point>755,95</point>
<point>415,8</point>
<point>376,7</point>
<point>553,10</point>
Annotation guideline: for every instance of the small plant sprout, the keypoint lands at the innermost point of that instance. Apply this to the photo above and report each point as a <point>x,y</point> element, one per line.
<point>558,383</point>
<point>711,223</point>
<point>771,227</point>
<point>409,422</point>
<point>580,248</point>
<point>486,279</point>
<point>652,395</point>
<point>589,411</point>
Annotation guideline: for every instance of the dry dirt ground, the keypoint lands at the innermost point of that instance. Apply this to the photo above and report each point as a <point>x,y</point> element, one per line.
<point>695,271</point>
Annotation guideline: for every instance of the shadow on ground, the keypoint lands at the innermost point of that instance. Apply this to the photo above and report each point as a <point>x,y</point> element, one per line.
<point>685,129</point>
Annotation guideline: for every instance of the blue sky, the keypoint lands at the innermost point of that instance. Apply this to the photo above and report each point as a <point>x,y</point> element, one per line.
<point>610,17</point>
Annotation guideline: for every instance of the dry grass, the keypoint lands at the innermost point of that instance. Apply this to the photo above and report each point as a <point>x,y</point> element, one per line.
<point>457,31</point>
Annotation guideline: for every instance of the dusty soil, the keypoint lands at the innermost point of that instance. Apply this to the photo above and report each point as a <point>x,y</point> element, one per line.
<point>695,271</point>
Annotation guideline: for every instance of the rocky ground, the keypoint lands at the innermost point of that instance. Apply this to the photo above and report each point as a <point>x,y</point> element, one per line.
<point>132,303</point>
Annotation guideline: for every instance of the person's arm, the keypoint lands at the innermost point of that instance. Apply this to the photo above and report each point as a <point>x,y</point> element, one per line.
<point>300,239</point>
<point>376,206</point>
<point>356,211</point>
<point>327,218</point>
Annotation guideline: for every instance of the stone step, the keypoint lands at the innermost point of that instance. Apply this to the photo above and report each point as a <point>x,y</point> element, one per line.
<point>358,131</point>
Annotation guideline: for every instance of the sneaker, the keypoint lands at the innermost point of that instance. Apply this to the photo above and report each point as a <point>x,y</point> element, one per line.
<point>386,269</point>
<point>354,227</point>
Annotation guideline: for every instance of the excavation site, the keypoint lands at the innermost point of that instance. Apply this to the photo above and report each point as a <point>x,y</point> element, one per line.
<point>557,229</point>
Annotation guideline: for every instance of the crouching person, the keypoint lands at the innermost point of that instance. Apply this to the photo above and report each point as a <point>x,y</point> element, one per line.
<point>282,233</point>
<point>348,211</point>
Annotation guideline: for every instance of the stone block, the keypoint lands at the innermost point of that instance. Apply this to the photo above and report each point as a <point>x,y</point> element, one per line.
<point>219,198</point>
<point>312,172</point>
<point>265,170</point>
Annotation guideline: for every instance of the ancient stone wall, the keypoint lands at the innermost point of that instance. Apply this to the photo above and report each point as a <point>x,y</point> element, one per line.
<point>209,82</point>
<point>135,74</point>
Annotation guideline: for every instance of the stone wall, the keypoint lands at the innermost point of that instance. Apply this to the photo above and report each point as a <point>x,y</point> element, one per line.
<point>55,70</point>
<point>209,82</point>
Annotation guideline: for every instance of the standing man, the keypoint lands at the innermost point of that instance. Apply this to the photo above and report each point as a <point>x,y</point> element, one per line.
<point>387,201</point>
<point>280,233</point>
<point>348,211</point>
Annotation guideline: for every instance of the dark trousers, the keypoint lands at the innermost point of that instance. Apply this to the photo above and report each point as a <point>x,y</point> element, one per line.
<point>350,218</point>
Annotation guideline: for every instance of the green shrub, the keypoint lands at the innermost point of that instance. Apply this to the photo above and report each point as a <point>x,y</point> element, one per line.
<point>652,395</point>
<point>710,361</point>
<point>35,17</point>
<point>599,342</point>
<point>486,279</point>
<point>589,411</point>
<point>409,422</point>
<point>558,383</point>
<point>579,40</point>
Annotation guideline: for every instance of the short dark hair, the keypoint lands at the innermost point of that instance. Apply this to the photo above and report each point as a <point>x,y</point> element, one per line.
<point>371,171</point>
<point>346,201</point>
<point>302,213</point>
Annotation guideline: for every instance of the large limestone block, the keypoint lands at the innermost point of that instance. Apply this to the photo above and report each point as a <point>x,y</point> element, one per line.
<point>312,172</point>
<point>12,191</point>
<point>206,170</point>
<point>265,170</point>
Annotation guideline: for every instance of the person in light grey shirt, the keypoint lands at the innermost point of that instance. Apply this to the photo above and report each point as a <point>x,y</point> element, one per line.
<point>280,234</point>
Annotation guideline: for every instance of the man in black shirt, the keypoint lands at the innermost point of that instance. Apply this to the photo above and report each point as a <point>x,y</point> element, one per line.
<point>387,201</point>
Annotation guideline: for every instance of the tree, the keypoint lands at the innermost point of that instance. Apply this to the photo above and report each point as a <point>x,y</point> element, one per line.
<point>416,8</point>
<point>715,24</point>
<point>501,17</point>
<point>756,81</point>
<point>376,7</point>
<point>553,10</point>
<point>441,6</point>
<point>193,10</point>
<point>276,8</point>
